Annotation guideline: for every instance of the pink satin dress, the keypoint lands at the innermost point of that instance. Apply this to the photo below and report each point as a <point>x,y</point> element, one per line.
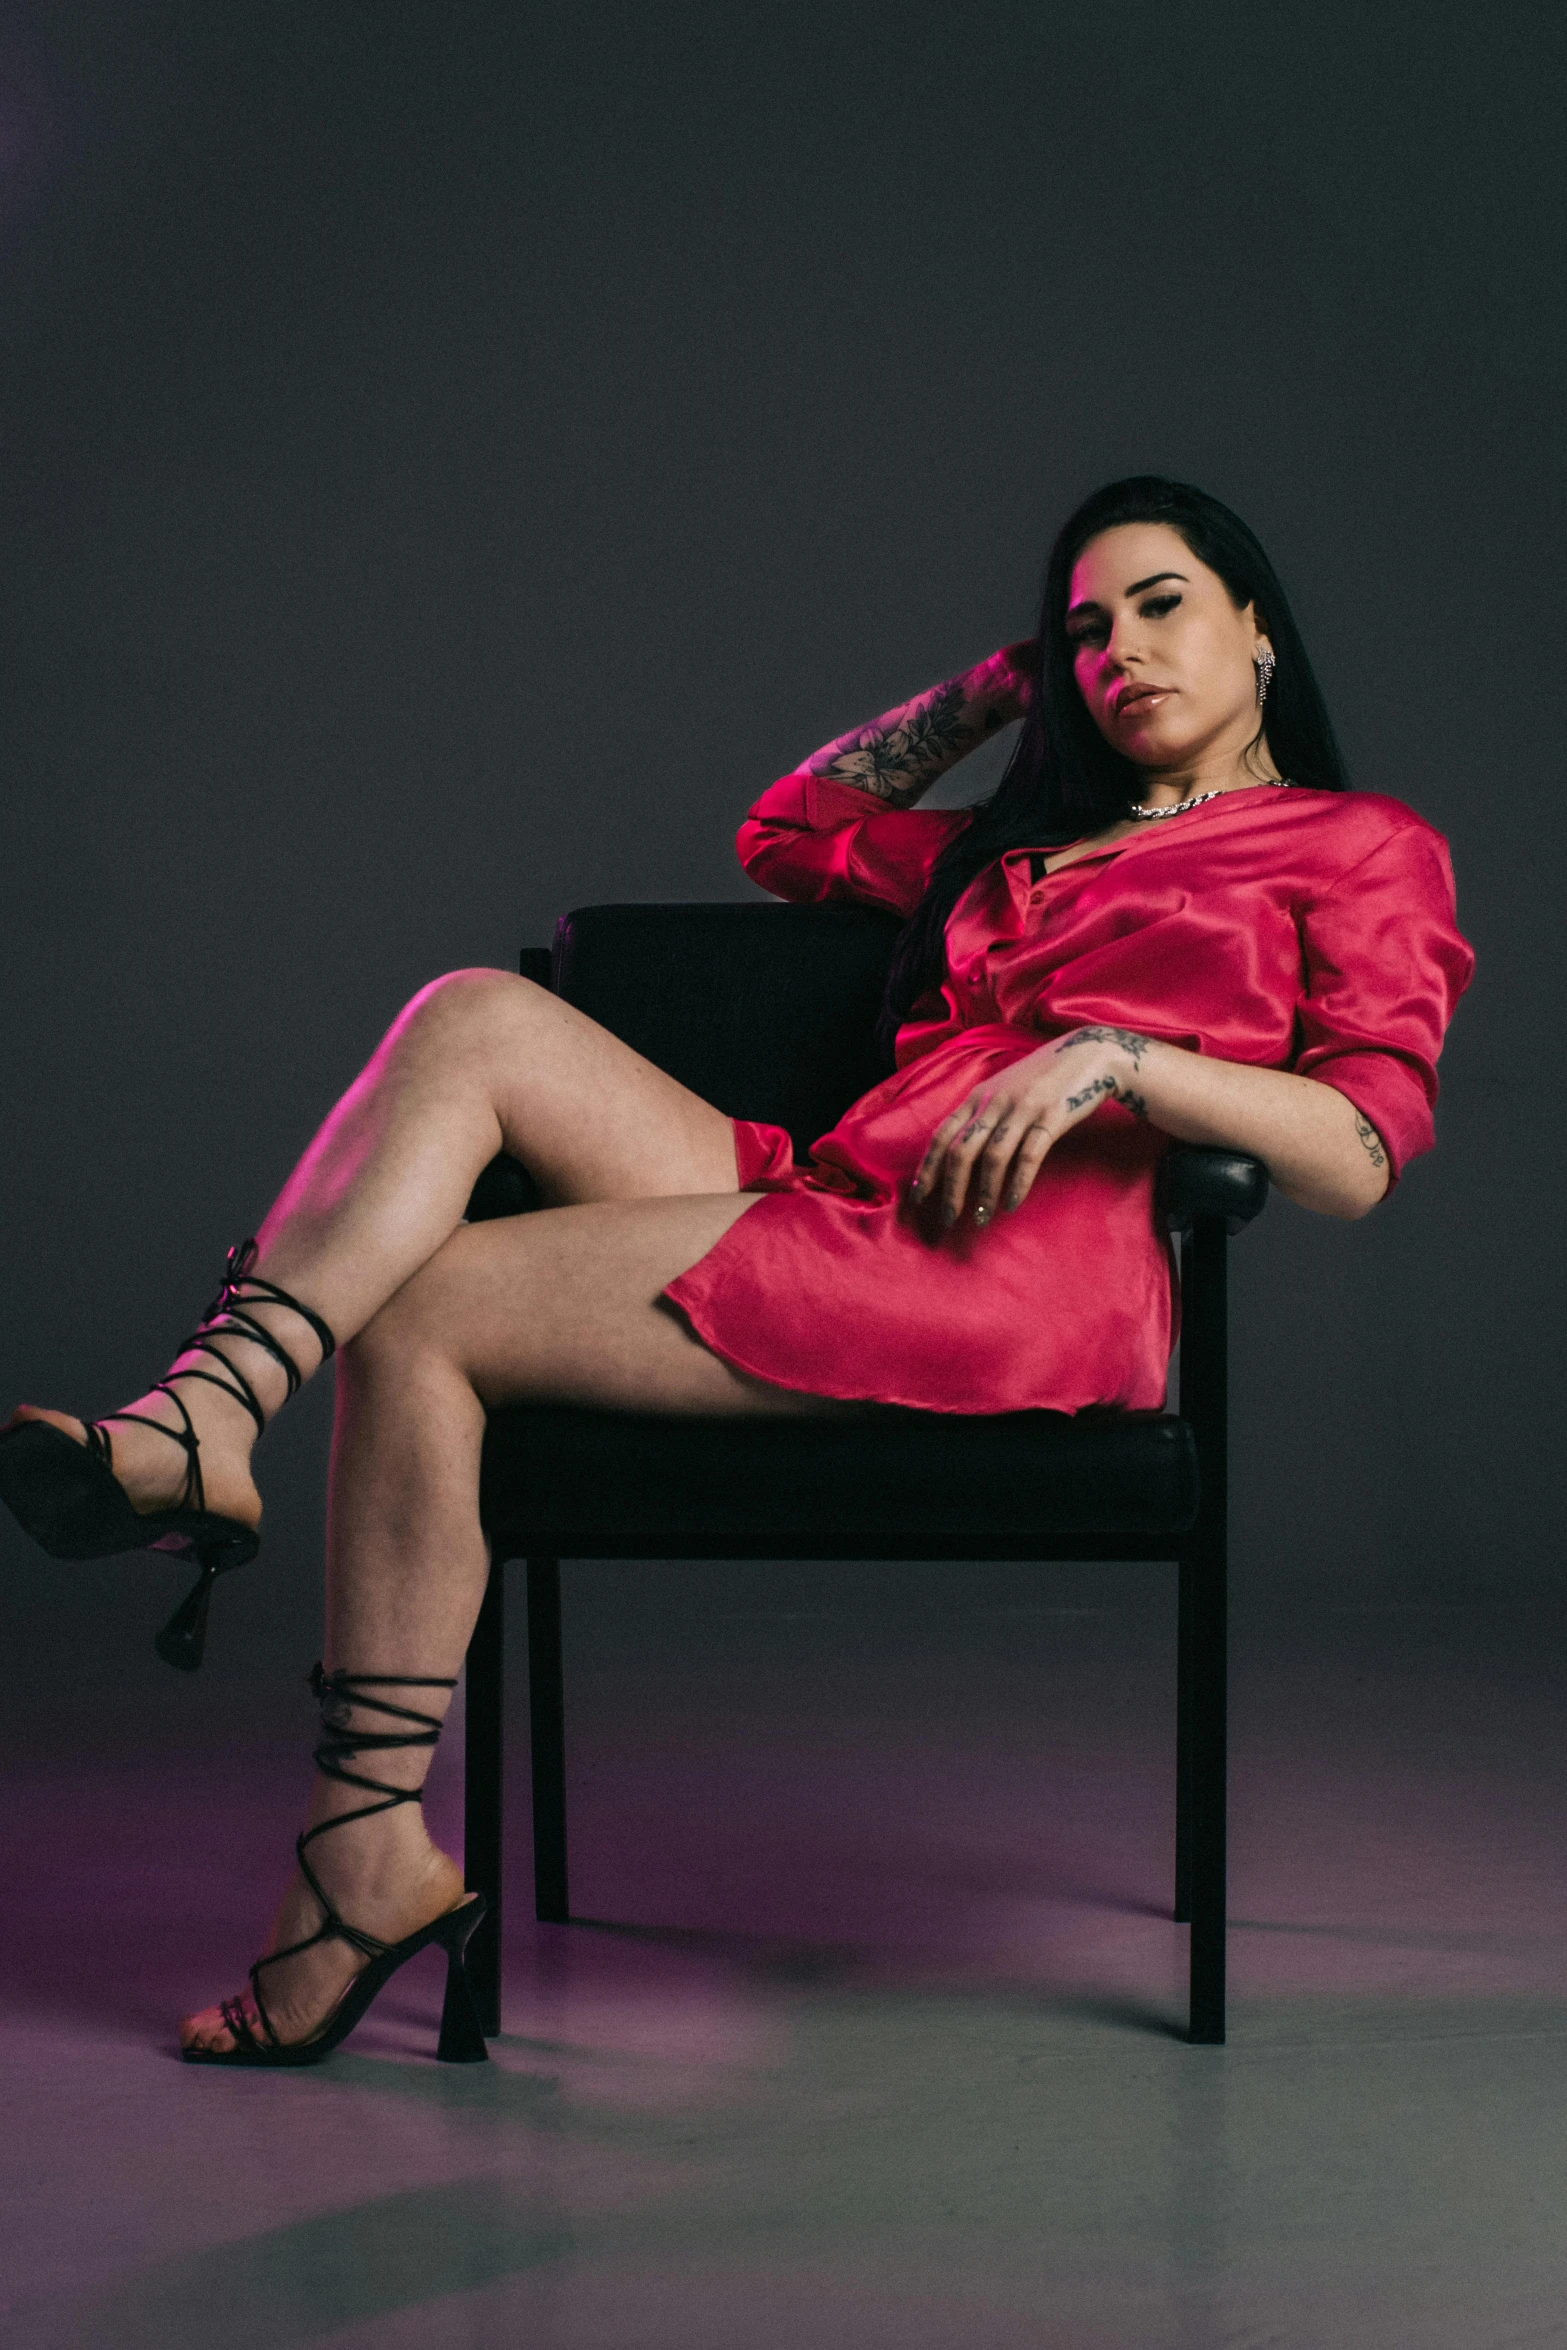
<point>1301,930</point>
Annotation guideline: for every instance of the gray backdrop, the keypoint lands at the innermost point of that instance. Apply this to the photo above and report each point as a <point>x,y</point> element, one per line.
<point>455,457</point>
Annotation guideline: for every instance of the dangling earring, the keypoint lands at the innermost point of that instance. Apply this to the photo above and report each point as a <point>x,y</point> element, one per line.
<point>1265,666</point>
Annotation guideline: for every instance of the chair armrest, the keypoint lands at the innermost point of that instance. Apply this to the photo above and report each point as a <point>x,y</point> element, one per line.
<point>1195,1181</point>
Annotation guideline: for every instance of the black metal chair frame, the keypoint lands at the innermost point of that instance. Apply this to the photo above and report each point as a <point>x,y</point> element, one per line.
<point>1207,1195</point>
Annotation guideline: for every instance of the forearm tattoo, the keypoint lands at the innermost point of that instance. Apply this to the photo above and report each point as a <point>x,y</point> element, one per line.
<point>900,755</point>
<point>1371,1140</point>
<point>1127,1038</point>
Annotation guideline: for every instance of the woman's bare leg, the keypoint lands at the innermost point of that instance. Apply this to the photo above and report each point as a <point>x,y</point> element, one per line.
<point>435,1321</point>
<point>561,1304</point>
<point>479,1062</point>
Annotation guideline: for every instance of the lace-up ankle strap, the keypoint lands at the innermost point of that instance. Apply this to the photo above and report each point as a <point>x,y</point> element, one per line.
<point>240,1288</point>
<point>338,1694</point>
<point>226,1314</point>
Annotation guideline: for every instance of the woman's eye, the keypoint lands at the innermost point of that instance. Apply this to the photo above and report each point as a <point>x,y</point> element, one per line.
<point>1157,606</point>
<point>1083,637</point>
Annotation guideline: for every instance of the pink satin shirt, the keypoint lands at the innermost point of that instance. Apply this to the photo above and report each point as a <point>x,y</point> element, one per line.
<point>1303,930</point>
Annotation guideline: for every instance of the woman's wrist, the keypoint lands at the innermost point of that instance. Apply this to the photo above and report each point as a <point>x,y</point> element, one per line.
<point>1114,1066</point>
<point>999,685</point>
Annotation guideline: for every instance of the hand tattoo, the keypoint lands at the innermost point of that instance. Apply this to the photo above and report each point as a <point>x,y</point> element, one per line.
<point>1107,1088</point>
<point>902,760</point>
<point>1127,1038</point>
<point>1372,1140</point>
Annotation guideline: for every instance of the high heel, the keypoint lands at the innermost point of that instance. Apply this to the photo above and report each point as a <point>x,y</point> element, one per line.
<point>461,2038</point>
<point>68,1498</point>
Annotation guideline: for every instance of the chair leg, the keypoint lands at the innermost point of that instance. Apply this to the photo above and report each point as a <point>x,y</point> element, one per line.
<point>482,1795</point>
<point>1185,1606</point>
<point>1204,1623</point>
<point>547,1724</point>
<point>1208,1801</point>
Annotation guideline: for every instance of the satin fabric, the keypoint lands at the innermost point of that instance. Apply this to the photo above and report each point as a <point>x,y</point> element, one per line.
<point>1301,930</point>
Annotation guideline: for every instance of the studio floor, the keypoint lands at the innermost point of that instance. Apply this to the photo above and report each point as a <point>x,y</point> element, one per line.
<point>869,2032</point>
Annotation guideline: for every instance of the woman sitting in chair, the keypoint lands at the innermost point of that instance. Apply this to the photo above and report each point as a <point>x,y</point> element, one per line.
<point>1171,920</point>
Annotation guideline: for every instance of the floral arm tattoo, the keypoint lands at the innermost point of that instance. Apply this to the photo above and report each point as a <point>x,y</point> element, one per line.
<point>899,755</point>
<point>1371,1140</point>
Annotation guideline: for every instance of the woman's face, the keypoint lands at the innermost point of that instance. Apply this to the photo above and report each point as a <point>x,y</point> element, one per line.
<point>1161,655</point>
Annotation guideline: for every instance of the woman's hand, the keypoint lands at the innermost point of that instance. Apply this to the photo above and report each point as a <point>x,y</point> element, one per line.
<point>1008,681</point>
<point>990,1149</point>
<point>1319,1149</point>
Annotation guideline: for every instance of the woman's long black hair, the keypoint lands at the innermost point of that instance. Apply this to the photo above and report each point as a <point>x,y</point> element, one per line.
<point>1063,780</point>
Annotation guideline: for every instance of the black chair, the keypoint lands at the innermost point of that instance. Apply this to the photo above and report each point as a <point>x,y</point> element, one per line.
<point>769,1011</point>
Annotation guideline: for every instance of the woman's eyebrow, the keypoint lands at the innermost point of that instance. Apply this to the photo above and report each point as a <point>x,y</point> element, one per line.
<point>1136,589</point>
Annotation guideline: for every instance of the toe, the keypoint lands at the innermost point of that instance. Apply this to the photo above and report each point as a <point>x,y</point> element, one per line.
<point>24,1412</point>
<point>205,2034</point>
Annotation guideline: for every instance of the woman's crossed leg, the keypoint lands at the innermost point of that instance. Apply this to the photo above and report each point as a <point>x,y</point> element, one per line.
<point>436,1321</point>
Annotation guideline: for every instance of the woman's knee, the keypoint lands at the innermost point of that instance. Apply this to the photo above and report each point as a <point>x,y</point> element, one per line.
<point>473,1006</point>
<point>415,1323</point>
<point>477,993</point>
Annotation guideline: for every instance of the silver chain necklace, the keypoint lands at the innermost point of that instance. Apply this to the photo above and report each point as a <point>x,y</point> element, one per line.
<point>1142,815</point>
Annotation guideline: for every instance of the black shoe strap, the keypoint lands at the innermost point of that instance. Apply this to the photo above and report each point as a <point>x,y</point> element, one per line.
<point>240,1288</point>
<point>338,1694</point>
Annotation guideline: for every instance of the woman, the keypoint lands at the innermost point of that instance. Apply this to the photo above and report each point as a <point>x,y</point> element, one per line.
<point>1172,920</point>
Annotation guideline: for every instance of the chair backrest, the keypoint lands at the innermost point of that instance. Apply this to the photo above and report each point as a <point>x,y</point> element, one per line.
<point>766,1011</point>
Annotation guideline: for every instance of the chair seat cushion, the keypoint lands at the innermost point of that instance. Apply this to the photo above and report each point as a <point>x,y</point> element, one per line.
<point>571,1483</point>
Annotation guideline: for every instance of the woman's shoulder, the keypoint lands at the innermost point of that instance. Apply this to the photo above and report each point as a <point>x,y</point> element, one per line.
<point>1348,826</point>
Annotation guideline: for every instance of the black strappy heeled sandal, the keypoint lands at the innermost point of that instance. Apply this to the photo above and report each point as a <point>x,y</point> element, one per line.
<point>68,1498</point>
<point>462,2037</point>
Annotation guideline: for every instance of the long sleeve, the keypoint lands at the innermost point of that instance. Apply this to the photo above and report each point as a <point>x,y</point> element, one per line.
<point>815,841</point>
<point>1385,966</point>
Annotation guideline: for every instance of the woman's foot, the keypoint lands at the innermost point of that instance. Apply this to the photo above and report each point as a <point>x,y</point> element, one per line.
<point>152,1470</point>
<point>385,1877</point>
<point>212,1381</point>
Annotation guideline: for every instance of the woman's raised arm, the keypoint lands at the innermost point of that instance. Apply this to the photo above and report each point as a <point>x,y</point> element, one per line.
<point>899,755</point>
<point>844,826</point>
